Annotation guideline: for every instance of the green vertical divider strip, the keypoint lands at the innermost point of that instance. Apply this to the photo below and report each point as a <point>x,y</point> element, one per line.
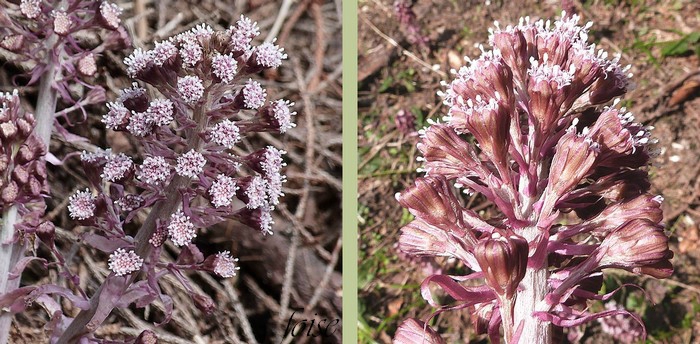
<point>350,171</point>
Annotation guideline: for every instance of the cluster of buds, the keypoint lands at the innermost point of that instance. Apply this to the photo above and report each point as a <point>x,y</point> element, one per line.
<point>22,165</point>
<point>564,166</point>
<point>56,39</point>
<point>192,123</point>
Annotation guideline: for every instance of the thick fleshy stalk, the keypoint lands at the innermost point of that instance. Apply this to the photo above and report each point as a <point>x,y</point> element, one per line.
<point>49,54</point>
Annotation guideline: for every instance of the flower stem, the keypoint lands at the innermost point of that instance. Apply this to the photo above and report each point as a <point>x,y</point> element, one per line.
<point>9,254</point>
<point>534,289</point>
<point>507,318</point>
<point>109,293</point>
<point>11,250</point>
<point>107,296</point>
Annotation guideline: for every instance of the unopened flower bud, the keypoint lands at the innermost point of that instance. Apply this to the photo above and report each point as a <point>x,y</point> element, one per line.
<point>87,65</point>
<point>25,126</point>
<point>147,337</point>
<point>12,43</point>
<point>419,238</point>
<point>8,130</point>
<point>35,186</point>
<point>637,244</point>
<point>446,153</point>
<point>108,15</point>
<point>40,170</point>
<point>503,259</point>
<point>412,331</point>
<point>10,192</point>
<point>61,23</point>
<point>24,154</point>
<point>431,199</point>
<point>4,162</point>
<point>204,303</point>
<point>20,174</point>
<point>513,48</point>
<point>572,161</point>
<point>46,232</point>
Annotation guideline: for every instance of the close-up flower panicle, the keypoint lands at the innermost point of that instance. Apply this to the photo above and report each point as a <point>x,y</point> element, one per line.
<point>535,127</point>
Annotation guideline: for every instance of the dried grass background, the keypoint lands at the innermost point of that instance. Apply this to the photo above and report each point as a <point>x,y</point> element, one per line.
<point>295,270</point>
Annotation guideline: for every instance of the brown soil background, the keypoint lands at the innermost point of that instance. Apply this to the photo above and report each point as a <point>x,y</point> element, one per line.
<point>395,77</point>
<point>307,228</point>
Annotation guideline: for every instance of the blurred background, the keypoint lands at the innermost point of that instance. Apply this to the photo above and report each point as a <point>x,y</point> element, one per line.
<point>406,47</point>
<point>294,270</point>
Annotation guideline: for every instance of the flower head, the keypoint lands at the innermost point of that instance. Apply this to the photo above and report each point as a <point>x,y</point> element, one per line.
<point>225,265</point>
<point>154,170</point>
<point>243,33</point>
<point>163,52</point>
<point>181,230</point>
<point>190,88</point>
<point>129,202</point>
<point>190,53</point>
<point>282,115</point>
<point>160,112</point>
<point>272,162</point>
<point>225,133</point>
<point>503,259</point>
<point>541,148</point>
<point>30,8</point>
<point>118,167</point>
<point>222,191</point>
<point>109,13</point>
<point>123,263</point>
<point>138,61</point>
<point>190,164</point>
<point>140,124</point>
<point>224,67</point>
<point>87,65</point>
<point>255,192</point>
<point>81,205</point>
<point>253,94</point>
<point>61,23</point>
<point>274,187</point>
<point>269,55</point>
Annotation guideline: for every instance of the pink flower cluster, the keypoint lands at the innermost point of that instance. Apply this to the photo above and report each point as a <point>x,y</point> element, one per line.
<point>193,107</point>
<point>564,166</point>
<point>202,118</point>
